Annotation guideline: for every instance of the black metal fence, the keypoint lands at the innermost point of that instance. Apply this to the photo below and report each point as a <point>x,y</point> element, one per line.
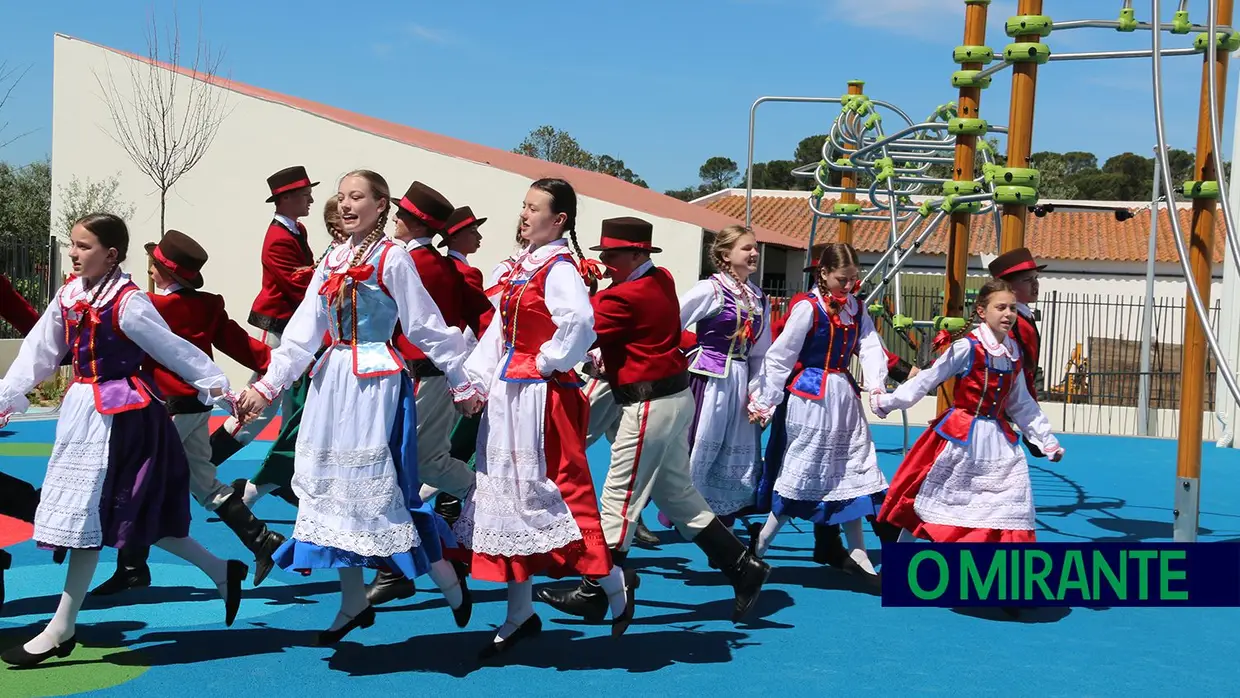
<point>32,265</point>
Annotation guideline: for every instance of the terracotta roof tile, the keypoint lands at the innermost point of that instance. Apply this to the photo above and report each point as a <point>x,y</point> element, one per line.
<point>592,184</point>
<point>1062,235</point>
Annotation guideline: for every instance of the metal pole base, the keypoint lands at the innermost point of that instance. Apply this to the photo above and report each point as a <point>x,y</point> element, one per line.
<point>1187,499</point>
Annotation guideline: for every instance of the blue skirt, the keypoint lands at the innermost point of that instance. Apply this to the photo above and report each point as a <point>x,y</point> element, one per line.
<point>301,556</point>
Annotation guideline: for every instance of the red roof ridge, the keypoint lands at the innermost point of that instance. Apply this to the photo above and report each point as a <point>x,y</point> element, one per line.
<point>592,184</point>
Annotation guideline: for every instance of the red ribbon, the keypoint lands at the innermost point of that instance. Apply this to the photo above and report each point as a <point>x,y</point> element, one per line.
<point>942,340</point>
<point>301,277</point>
<point>591,270</point>
<point>335,281</point>
<point>747,332</point>
<point>610,242</point>
<point>299,184</point>
<point>89,314</point>
<point>183,272</point>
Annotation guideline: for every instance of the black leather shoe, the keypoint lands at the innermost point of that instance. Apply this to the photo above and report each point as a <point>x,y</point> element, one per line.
<point>237,571</point>
<point>132,572</point>
<point>365,619</point>
<point>531,627</point>
<point>586,600</point>
<point>252,532</point>
<point>828,546</point>
<point>19,657</point>
<point>448,507</point>
<point>621,623</point>
<point>389,586</point>
<point>462,615</point>
<point>645,537</point>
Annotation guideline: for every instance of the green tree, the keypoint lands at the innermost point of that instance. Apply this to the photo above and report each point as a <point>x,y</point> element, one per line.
<point>1053,167</point>
<point>615,167</point>
<point>718,173</point>
<point>82,197</point>
<point>25,202</point>
<point>553,145</point>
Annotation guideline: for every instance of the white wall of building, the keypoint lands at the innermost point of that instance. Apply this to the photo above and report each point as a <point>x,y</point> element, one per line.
<point>221,201</point>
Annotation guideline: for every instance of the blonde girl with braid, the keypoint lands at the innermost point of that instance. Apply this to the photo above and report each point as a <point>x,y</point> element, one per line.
<point>533,510</point>
<point>827,467</point>
<point>732,319</point>
<point>355,466</point>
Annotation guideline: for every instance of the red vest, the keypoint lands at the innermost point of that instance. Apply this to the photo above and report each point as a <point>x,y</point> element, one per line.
<point>638,328</point>
<point>459,303</point>
<point>200,319</point>
<point>1026,336</point>
<point>478,318</point>
<point>982,391</point>
<point>527,325</point>
<point>283,288</point>
<point>14,308</point>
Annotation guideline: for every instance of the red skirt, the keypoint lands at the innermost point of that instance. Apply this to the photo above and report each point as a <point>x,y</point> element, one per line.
<point>564,443</point>
<point>898,506</point>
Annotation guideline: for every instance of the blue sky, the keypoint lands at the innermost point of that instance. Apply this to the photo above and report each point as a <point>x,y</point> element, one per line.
<point>662,84</point>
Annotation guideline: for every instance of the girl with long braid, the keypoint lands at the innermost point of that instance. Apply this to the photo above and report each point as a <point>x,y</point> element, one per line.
<point>733,333</point>
<point>118,475</point>
<point>828,468</point>
<point>534,510</point>
<point>355,468</point>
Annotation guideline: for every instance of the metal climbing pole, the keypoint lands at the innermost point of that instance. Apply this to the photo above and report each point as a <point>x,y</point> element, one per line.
<point>967,126</point>
<point>1204,191</point>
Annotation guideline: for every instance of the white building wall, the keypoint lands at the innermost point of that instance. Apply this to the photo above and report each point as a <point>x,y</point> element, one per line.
<point>221,201</point>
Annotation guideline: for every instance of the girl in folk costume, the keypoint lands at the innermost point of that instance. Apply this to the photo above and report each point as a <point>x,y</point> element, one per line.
<point>828,468</point>
<point>733,333</point>
<point>534,509</point>
<point>966,479</point>
<point>118,475</point>
<point>356,471</point>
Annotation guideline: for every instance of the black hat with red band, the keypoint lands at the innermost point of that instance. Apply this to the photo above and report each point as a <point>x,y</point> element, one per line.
<point>286,180</point>
<point>179,258</point>
<point>425,205</point>
<point>460,219</point>
<point>1014,262</point>
<point>626,233</point>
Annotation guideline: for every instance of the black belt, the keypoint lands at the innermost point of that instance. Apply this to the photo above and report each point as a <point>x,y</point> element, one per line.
<point>185,404</point>
<point>424,368</point>
<point>632,393</point>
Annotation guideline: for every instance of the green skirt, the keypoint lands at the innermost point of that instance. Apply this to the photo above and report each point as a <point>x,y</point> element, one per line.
<point>277,468</point>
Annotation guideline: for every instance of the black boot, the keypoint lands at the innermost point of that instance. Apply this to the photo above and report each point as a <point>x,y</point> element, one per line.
<point>886,532</point>
<point>644,537</point>
<point>828,547</point>
<point>586,600</point>
<point>131,572</point>
<point>252,533</point>
<point>223,446</point>
<point>448,507</point>
<point>6,561</point>
<point>746,572</point>
<point>389,586</point>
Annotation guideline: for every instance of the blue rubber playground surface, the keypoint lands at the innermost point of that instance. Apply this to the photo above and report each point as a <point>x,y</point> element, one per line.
<point>815,631</point>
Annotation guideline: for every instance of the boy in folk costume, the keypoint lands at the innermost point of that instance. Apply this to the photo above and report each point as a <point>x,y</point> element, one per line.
<point>199,318</point>
<point>1019,269</point>
<point>286,252</point>
<point>637,323</point>
<point>420,214</point>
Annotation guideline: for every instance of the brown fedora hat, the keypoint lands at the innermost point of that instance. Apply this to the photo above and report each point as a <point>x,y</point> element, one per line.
<point>626,233</point>
<point>460,219</point>
<point>288,179</point>
<point>179,257</point>
<point>1008,263</point>
<point>426,205</point>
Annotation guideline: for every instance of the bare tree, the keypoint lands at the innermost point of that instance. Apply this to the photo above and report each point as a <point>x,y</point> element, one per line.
<point>8,83</point>
<point>166,121</point>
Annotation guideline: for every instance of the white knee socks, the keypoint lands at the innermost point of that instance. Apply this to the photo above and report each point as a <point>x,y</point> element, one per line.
<point>253,493</point>
<point>906,537</point>
<point>427,492</point>
<point>444,576</point>
<point>855,537</point>
<point>63,624</point>
<point>192,552</point>
<point>613,584</point>
<point>520,608</point>
<point>352,596</point>
<point>772,526</point>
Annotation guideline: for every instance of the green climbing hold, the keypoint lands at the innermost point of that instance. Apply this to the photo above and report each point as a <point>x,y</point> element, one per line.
<point>1007,194</point>
<point>967,127</point>
<point>1027,52</point>
<point>962,187</point>
<point>1227,41</point>
<point>951,324</point>
<point>1127,20</point>
<point>847,209</point>
<point>1019,176</point>
<point>1029,25</point>
<point>970,78</point>
<point>902,322</point>
<point>877,309</point>
<point>1181,24</point>
<point>856,83</point>
<point>974,54</point>
<point>1201,190</point>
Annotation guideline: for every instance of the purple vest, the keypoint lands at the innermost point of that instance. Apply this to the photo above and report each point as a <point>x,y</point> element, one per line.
<point>828,348</point>
<point>717,348</point>
<point>104,357</point>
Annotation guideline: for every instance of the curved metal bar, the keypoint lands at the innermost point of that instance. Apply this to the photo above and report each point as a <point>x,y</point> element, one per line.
<point>753,110</point>
<point>1216,141</point>
<point>1177,233</point>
